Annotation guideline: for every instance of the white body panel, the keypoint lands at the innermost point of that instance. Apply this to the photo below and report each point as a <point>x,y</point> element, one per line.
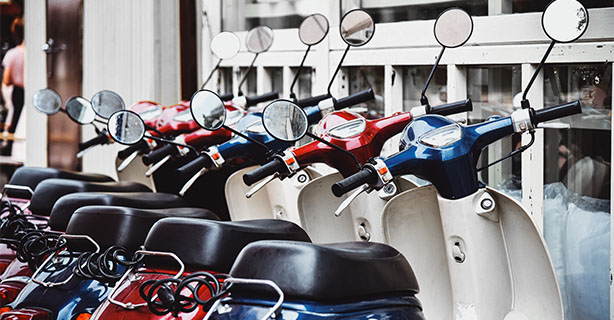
<point>505,273</point>
<point>135,172</point>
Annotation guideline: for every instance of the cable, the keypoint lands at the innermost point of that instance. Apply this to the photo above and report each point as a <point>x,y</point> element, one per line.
<point>105,267</point>
<point>513,153</point>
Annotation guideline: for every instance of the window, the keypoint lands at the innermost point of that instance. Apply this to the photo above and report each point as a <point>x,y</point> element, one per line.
<point>303,85</point>
<point>249,87</point>
<point>276,81</point>
<point>414,79</point>
<point>224,80</point>
<point>363,78</point>
<point>407,10</point>
<point>242,15</point>
<point>539,5</point>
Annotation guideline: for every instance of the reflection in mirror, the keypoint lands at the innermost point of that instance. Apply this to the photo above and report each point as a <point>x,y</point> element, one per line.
<point>313,29</point>
<point>357,28</point>
<point>285,120</point>
<point>225,45</point>
<point>80,110</point>
<point>107,102</point>
<point>126,127</point>
<point>47,101</point>
<point>565,20</point>
<point>208,110</point>
<point>453,28</point>
<point>259,39</point>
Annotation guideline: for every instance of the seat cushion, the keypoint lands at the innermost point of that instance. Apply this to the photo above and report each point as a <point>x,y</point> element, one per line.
<point>122,226</point>
<point>66,206</point>
<point>213,245</point>
<point>50,190</point>
<point>32,176</point>
<point>338,272</point>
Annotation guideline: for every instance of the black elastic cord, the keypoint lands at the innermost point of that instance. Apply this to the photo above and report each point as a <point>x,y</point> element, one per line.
<point>104,267</point>
<point>513,153</point>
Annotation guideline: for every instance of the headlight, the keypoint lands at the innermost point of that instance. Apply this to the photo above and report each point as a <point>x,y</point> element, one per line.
<point>348,129</point>
<point>183,116</point>
<point>442,137</point>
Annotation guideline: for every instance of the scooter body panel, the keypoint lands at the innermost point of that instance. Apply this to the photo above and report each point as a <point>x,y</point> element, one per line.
<point>472,262</point>
<point>135,171</point>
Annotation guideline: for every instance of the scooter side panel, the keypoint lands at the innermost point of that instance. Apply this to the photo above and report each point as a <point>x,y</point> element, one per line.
<point>135,172</point>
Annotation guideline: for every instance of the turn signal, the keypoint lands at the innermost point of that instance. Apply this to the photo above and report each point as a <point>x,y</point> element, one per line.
<point>84,316</point>
<point>5,309</point>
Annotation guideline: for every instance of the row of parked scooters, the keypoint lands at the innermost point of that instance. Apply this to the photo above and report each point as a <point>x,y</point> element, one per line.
<point>82,246</point>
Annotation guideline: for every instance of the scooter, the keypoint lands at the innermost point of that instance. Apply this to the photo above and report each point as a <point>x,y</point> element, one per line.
<point>480,252</point>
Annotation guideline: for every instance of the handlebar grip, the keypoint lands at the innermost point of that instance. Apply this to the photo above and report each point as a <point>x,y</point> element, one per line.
<point>275,165</point>
<point>312,101</point>
<point>123,154</point>
<point>159,154</point>
<point>452,108</point>
<point>356,98</point>
<point>252,101</point>
<point>192,167</point>
<point>366,175</point>
<point>556,112</point>
<point>227,96</point>
<point>101,138</point>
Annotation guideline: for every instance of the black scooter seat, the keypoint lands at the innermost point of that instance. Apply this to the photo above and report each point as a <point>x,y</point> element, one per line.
<point>50,190</point>
<point>126,227</point>
<point>66,206</point>
<point>32,176</point>
<point>350,271</point>
<point>213,245</point>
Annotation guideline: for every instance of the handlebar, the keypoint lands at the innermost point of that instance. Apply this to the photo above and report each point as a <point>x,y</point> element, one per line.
<point>354,99</point>
<point>365,175</point>
<point>560,111</point>
<point>101,138</point>
<point>452,108</point>
<point>227,96</point>
<point>312,101</point>
<point>275,165</point>
<point>192,167</point>
<point>159,154</point>
<point>252,101</point>
<point>123,154</point>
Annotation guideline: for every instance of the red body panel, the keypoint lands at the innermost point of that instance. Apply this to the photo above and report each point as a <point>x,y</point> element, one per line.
<point>364,146</point>
<point>142,106</point>
<point>24,314</point>
<point>168,126</point>
<point>202,137</point>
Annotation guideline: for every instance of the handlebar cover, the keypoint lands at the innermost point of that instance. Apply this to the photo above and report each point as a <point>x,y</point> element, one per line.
<point>192,167</point>
<point>123,154</point>
<point>365,175</point>
<point>101,138</point>
<point>227,96</point>
<point>452,108</point>
<point>159,154</point>
<point>275,165</point>
<point>252,101</point>
<point>556,112</point>
<point>312,101</point>
<point>356,98</point>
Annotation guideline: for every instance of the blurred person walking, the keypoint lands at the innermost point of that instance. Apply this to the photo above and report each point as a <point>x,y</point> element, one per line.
<point>13,83</point>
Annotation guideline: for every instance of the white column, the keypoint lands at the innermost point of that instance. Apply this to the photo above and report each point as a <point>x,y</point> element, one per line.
<point>36,79</point>
<point>393,89</point>
<point>457,87</point>
<point>612,215</point>
<point>533,158</point>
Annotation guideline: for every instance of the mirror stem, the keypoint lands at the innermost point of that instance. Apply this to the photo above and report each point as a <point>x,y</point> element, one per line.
<point>100,121</point>
<point>211,74</point>
<point>539,67</point>
<point>298,72</point>
<point>246,137</point>
<point>336,147</point>
<point>150,128</point>
<point>173,143</point>
<point>247,73</point>
<point>423,99</point>
<point>330,84</point>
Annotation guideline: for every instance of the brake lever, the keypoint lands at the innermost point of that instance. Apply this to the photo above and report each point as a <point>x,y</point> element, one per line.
<point>127,161</point>
<point>261,185</point>
<point>157,166</point>
<point>81,153</point>
<point>346,203</point>
<point>190,182</point>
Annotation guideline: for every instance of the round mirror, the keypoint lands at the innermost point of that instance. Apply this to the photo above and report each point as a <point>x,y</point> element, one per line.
<point>453,28</point>
<point>126,127</point>
<point>47,101</point>
<point>313,29</point>
<point>284,120</point>
<point>80,110</point>
<point>565,20</point>
<point>225,45</point>
<point>259,39</point>
<point>357,28</point>
<point>208,110</point>
<point>107,102</point>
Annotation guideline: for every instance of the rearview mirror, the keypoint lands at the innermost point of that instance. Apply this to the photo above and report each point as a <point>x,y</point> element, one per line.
<point>208,110</point>
<point>453,28</point>
<point>126,127</point>
<point>80,110</point>
<point>259,39</point>
<point>225,45</point>
<point>284,120</point>
<point>357,28</point>
<point>565,20</point>
<point>106,102</point>
<point>313,29</point>
<point>47,101</point>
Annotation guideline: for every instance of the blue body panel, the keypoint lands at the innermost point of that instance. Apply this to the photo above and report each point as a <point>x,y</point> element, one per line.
<point>407,308</point>
<point>451,169</point>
